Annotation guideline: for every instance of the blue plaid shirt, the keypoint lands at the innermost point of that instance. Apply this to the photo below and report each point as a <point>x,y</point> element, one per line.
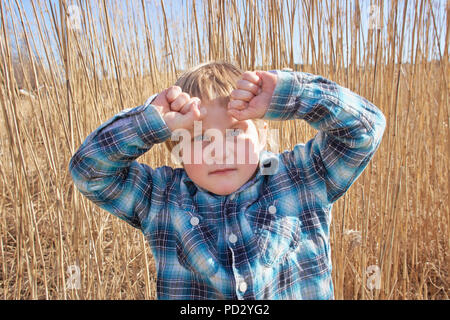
<point>267,240</point>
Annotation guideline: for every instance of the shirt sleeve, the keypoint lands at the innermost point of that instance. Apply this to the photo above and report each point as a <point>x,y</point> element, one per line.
<point>350,129</point>
<point>105,171</point>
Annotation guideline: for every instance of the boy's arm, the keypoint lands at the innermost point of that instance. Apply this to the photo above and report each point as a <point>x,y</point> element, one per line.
<point>104,168</point>
<point>350,128</point>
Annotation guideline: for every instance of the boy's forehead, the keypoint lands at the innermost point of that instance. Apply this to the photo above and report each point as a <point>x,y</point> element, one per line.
<point>221,101</point>
<point>217,116</point>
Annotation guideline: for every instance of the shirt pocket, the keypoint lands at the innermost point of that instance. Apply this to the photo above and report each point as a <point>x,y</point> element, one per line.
<point>195,248</point>
<point>312,256</point>
<point>277,233</point>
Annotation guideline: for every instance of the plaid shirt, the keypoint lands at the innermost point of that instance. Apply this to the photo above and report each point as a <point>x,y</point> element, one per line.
<point>267,240</point>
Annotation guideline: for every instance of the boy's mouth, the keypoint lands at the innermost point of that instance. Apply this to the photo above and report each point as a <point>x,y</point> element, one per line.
<point>222,171</point>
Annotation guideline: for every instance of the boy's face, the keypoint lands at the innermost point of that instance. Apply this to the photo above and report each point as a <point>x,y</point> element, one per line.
<point>237,150</point>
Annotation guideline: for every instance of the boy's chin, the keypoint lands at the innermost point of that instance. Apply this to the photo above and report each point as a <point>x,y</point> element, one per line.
<point>223,190</point>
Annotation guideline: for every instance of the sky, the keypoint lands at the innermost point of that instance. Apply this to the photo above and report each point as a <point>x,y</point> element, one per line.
<point>175,7</point>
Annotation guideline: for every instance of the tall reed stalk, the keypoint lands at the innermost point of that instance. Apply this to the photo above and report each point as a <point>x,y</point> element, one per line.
<point>84,61</point>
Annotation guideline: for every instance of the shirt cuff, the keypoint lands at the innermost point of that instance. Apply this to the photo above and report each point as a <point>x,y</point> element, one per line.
<point>282,105</point>
<point>150,125</point>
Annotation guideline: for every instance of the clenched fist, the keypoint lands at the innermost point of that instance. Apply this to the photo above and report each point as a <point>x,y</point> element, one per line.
<point>252,97</point>
<point>178,109</point>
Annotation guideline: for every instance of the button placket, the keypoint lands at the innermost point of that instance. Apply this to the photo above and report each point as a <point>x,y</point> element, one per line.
<point>232,238</point>
<point>231,211</point>
<point>194,221</point>
<point>272,209</point>
<point>234,231</point>
<point>243,286</point>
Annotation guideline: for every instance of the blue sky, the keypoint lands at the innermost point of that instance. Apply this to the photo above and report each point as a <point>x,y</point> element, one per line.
<point>173,9</point>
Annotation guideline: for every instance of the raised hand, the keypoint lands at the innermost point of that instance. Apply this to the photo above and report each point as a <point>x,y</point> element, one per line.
<point>252,96</point>
<point>178,109</point>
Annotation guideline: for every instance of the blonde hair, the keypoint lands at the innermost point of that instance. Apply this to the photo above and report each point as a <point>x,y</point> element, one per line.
<point>208,81</point>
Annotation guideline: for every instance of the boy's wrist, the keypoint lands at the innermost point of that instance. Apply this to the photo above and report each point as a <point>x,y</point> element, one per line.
<point>151,99</point>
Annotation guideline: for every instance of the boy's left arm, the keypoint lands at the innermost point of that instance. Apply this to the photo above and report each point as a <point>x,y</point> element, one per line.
<point>350,128</point>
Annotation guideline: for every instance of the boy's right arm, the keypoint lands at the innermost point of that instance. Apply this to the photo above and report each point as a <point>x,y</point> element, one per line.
<point>104,168</point>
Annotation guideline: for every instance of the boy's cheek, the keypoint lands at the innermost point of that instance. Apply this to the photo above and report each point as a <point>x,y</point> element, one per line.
<point>196,172</point>
<point>188,153</point>
<point>195,168</point>
<point>246,152</point>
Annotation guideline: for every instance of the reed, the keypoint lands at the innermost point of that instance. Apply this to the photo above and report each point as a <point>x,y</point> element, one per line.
<point>84,61</point>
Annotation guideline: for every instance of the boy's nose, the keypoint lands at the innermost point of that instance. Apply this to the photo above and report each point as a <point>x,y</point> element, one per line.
<point>224,154</point>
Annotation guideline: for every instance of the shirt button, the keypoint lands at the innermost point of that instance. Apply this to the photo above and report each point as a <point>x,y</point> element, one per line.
<point>243,287</point>
<point>194,221</point>
<point>232,196</point>
<point>272,209</point>
<point>232,238</point>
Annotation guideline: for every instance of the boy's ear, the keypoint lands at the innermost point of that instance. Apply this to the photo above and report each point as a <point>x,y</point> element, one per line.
<point>262,133</point>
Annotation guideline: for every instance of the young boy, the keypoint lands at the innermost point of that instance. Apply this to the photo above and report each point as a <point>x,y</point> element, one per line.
<point>236,233</point>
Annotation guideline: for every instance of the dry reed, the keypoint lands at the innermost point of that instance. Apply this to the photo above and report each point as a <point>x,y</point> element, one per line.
<point>394,220</point>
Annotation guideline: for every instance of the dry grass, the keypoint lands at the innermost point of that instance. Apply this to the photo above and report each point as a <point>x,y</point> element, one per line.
<point>396,216</point>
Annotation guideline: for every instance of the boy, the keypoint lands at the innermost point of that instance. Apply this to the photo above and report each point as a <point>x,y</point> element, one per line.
<point>219,228</point>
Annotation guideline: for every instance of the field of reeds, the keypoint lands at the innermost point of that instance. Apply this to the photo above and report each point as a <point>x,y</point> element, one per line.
<point>67,66</point>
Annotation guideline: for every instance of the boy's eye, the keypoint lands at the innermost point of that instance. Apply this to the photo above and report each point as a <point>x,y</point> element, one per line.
<point>234,132</point>
<point>202,137</point>
<point>230,133</point>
